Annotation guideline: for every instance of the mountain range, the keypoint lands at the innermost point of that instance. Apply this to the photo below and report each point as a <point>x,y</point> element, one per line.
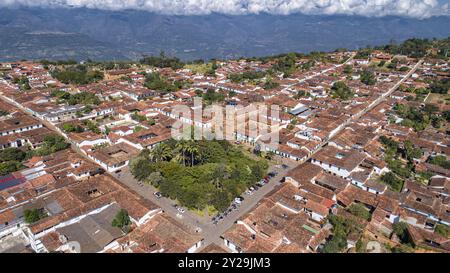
<point>81,33</point>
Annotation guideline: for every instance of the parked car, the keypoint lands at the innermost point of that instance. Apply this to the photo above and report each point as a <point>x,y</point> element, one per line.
<point>157,194</point>
<point>181,210</point>
<point>284,166</point>
<point>262,183</point>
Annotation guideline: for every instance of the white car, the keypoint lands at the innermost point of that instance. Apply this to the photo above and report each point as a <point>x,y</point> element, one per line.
<point>157,194</point>
<point>181,210</point>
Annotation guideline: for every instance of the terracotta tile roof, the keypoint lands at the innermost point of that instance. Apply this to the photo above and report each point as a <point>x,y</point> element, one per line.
<point>41,181</point>
<point>346,159</point>
<point>213,248</point>
<point>161,234</point>
<point>304,173</point>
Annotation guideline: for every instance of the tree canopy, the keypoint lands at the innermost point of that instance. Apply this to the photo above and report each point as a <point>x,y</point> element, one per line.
<point>341,90</point>
<point>33,215</point>
<point>342,227</point>
<point>440,86</point>
<point>23,83</point>
<point>162,61</point>
<point>286,64</point>
<point>368,78</point>
<point>11,160</point>
<point>359,210</point>
<point>155,81</point>
<point>396,153</point>
<point>392,181</point>
<point>78,74</point>
<point>415,48</point>
<point>198,173</point>
<point>211,96</point>
<point>246,75</point>
<point>440,160</point>
<point>70,128</point>
<point>418,118</point>
<point>122,220</point>
<point>52,144</point>
<point>84,98</point>
<point>401,230</point>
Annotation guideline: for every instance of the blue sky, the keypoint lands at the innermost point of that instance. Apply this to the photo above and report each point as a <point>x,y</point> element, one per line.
<point>410,8</point>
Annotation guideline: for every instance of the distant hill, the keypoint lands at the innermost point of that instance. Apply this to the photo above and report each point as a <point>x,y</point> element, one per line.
<point>79,33</point>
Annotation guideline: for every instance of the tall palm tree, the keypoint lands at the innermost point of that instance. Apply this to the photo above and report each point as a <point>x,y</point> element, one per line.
<point>181,147</point>
<point>145,153</point>
<point>193,150</point>
<point>167,152</point>
<point>161,152</point>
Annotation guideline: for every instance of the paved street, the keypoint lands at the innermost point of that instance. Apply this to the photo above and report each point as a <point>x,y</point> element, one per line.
<point>204,225</point>
<point>147,191</point>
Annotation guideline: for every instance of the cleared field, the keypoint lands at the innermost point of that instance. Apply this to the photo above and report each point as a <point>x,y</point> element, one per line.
<point>438,98</point>
<point>199,68</point>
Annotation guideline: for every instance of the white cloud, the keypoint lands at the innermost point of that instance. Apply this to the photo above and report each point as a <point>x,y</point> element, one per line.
<point>411,8</point>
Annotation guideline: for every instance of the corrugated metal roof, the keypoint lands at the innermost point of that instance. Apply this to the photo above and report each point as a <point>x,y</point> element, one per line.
<point>10,181</point>
<point>299,110</point>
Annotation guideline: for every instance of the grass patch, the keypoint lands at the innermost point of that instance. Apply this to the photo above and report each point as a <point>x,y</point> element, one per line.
<point>199,68</point>
<point>211,210</point>
<point>200,213</point>
<point>438,98</point>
